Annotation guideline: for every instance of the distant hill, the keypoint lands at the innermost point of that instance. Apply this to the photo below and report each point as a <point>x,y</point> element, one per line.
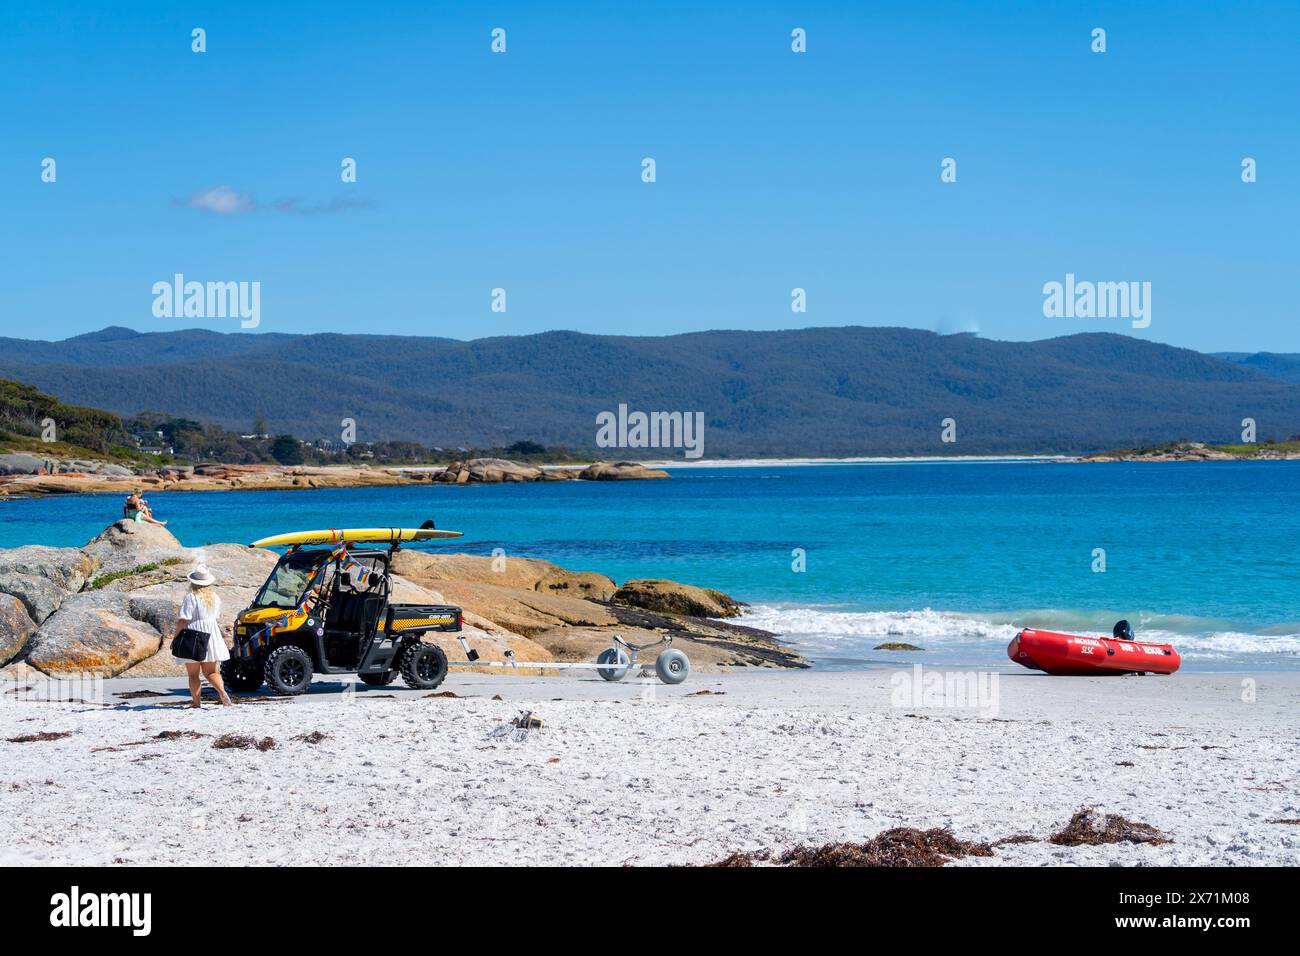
<point>820,391</point>
<point>1276,365</point>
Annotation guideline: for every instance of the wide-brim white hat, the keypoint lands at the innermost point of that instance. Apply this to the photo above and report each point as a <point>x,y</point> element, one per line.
<point>201,576</point>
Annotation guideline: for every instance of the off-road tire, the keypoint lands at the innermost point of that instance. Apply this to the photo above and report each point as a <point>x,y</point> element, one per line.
<point>378,680</point>
<point>424,666</point>
<point>288,670</point>
<point>672,666</point>
<point>616,663</point>
<point>240,678</point>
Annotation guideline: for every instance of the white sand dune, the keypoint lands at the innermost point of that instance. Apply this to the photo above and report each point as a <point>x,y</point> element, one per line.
<point>644,774</point>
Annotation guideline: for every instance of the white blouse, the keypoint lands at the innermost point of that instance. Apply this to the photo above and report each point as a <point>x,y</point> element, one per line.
<point>200,618</point>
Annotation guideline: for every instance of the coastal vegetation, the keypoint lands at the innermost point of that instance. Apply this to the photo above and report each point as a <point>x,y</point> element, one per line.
<point>156,439</point>
<point>26,411</point>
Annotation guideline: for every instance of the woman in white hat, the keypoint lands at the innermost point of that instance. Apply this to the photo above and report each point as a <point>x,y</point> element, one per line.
<point>199,611</point>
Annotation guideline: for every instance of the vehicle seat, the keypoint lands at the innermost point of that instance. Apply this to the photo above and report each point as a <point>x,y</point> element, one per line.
<point>353,612</point>
<point>343,612</point>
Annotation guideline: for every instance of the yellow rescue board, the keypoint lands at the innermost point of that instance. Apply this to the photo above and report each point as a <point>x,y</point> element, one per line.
<point>338,535</point>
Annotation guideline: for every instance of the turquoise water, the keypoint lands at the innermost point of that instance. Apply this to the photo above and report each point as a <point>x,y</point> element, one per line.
<point>950,556</point>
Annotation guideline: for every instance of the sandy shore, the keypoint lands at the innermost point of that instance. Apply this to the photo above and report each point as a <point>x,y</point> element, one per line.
<point>678,463</point>
<point>643,773</point>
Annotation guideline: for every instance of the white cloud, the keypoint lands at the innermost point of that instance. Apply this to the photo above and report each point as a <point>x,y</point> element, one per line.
<point>225,201</point>
<point>221,200</point>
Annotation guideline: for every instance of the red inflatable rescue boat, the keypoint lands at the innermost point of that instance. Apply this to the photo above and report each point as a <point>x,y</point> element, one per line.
<point>1066,654</point>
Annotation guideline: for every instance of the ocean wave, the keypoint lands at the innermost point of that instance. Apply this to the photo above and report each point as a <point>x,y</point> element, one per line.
<point>846,632</point>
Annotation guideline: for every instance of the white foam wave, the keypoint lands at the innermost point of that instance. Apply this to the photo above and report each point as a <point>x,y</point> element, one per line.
<point>844,632</point>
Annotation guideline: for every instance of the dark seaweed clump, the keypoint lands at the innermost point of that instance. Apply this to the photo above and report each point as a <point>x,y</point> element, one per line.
<point>901,846</point>
<point>242,742</point>
<point>1088,828</point>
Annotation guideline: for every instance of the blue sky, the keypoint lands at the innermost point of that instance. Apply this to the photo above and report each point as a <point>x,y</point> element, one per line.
<point>775,170</point>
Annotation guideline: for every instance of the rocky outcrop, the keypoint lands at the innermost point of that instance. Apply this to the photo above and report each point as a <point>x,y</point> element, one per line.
<point>490,470</point>
<point>619,471</point>
<point>66,568</point>
<point>125,545</point>
<point>526,612</point>
<point>16,463</point>
<point>670,597</point>
<point>40,596</point>
<point>532,574</point>
<point>32,476</point>
<point>16,626</point>
<point>498,470</point>
<point>93,632</point>
<point>1195,451</point>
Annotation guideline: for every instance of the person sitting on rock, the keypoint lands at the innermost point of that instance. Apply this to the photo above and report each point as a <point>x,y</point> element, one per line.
<point>138,510</point>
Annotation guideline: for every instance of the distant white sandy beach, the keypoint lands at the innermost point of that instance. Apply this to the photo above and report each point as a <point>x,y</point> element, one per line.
<point>648,774</point>
<point>798,462</point>
<point>677,463</point>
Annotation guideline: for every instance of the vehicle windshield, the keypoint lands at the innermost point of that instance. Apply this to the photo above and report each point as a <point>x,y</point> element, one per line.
<point>285,587</point>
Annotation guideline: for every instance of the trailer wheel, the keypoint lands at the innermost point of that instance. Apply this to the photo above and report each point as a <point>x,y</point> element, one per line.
<point>239,678</point>
<point>288,670</point>
<point>617,663</point>
<point>378,680</point>
<point>423,666</point>
<point>672,666</point>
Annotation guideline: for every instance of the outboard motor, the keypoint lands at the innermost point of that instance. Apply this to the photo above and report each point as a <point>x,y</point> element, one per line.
<point>1123,631</point>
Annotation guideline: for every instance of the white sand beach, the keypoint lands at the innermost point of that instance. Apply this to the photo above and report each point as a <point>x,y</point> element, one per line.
<point>678,463</point>
<point>642,773</point>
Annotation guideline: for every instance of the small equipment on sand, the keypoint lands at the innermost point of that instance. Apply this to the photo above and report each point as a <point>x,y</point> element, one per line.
<point>613,664</point>
<point>1069,655</point>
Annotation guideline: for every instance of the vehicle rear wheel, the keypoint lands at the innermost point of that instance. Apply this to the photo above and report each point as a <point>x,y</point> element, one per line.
<point>288,670</point>
<point>378,680</point>
<point>423,666</point>
<point>239,677</point>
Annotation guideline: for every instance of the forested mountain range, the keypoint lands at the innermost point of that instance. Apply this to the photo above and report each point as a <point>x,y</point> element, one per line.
<point>818,391</point>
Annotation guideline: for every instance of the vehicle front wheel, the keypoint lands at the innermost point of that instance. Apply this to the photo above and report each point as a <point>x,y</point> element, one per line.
<point>239,677</point>
<point>423,666</point>
<point>288,670</point>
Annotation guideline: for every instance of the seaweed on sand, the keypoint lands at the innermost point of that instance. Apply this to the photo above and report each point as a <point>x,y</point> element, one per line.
<point>743,858</point>
<point>43,735</point>
<point>901,846</point>
<point>315,737</point>
<point>242,742</point>
<point>1016,838</point>
<point>1087,829</point>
